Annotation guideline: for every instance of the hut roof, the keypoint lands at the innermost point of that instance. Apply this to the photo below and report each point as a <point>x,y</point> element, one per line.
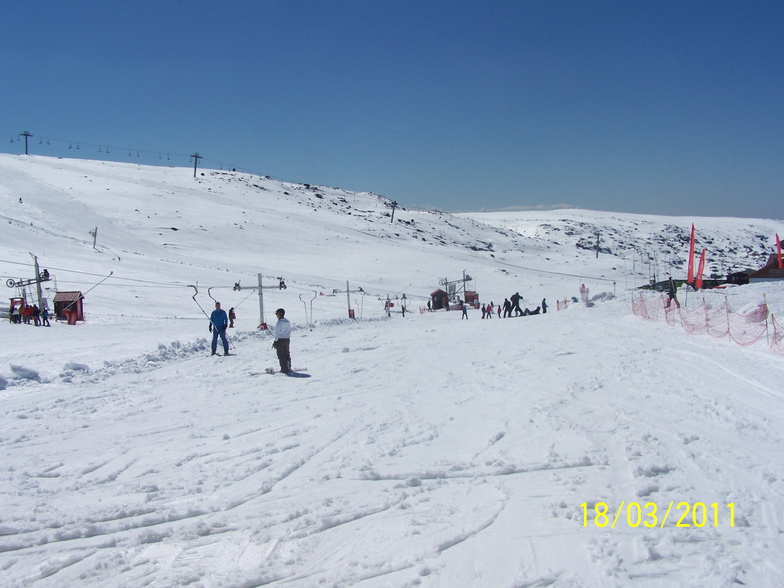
<point>67,296</point>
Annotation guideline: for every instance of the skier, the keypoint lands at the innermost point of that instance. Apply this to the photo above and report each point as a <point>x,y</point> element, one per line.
<point>507,308</point>
<point>232,316</point>
<point>544,306</point>
<point>465,311</point>
<point>218,323</point>
<point>282,340</point>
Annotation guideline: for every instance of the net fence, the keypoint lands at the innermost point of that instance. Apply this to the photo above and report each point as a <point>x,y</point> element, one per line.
<point>717,321</point>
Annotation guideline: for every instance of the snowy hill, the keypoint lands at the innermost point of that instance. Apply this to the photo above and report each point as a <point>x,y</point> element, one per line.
<point>423,450</point>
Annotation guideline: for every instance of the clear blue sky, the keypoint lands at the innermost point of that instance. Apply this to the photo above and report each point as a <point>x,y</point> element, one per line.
<point>663,107</point>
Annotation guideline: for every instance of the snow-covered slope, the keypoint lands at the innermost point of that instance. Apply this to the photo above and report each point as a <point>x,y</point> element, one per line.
<point>423,450</point>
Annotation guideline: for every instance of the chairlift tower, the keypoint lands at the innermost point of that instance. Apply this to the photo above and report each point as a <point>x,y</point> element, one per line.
<point>26,135</point>
<point>196,158</point>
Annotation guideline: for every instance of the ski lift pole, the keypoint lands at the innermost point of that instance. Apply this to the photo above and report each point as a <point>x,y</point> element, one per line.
<point>88,291</point>
<point>305,304</point>
<point>281,286</point>
<point>348,297</point>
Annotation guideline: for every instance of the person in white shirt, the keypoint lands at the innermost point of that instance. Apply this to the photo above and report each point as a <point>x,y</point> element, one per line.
<point>282,339</point>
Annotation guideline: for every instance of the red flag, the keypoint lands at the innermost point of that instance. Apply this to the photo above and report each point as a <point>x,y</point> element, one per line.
<point>778,247</point>
<point>700,268</point>
<point>690,277</point>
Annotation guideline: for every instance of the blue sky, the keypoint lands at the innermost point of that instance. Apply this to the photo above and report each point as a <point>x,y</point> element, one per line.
<point>659,107</point>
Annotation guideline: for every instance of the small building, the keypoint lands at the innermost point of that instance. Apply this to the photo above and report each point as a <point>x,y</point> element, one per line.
<point>439,299</point>
<point>769,272</point>
<point>740,277</point>
<point>472,298</point>
<point>66,303</point>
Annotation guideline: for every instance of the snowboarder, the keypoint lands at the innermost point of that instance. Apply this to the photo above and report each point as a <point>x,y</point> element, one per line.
<point>515,298</point>
<point>282,341</point>
<point>218,323</point>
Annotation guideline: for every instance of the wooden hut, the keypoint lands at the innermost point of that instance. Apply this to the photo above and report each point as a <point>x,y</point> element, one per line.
<point>66,303</point>
<point>439,299</point>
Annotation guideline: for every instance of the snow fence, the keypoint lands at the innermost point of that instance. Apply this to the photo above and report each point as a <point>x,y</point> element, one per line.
<point>720,321</point>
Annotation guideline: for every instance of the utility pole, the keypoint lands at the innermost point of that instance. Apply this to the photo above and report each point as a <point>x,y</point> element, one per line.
<point>196,158</point>
<point>25,134</point>
<point>94,235</point>
<point>394,206</point>
<point>598,234</point>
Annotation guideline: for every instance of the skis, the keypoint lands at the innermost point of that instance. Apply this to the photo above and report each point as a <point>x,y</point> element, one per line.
<point>294,373</point>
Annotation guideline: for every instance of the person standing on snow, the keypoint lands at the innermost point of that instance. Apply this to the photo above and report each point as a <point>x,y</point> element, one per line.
<point>671,293</point>
<point>515,298</point>
<point>218,323</point>
<point>282,341</point>
<point>507,308</point>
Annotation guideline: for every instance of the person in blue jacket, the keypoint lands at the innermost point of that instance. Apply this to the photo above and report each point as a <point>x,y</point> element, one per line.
<point>218,323</point>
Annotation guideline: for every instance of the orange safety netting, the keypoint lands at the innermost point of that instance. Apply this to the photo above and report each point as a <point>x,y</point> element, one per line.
<point>721,321</point>
<point>649,310</point>
<point>777,342</point>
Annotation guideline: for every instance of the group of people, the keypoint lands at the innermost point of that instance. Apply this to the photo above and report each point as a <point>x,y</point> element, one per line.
<point>220,321</point>
<point>511,304</point>
<point>30,315</point>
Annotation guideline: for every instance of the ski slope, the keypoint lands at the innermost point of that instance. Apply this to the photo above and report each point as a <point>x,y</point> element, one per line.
<point>424,450</point>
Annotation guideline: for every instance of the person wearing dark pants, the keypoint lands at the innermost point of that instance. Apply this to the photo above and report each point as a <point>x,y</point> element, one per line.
<point>218,323</point>
<point>282,340</point>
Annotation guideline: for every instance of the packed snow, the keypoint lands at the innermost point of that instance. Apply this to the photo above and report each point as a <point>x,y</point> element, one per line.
<point>581,447</point>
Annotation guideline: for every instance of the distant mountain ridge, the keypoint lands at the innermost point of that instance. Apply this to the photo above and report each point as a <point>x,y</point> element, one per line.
<point>233,221</point>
